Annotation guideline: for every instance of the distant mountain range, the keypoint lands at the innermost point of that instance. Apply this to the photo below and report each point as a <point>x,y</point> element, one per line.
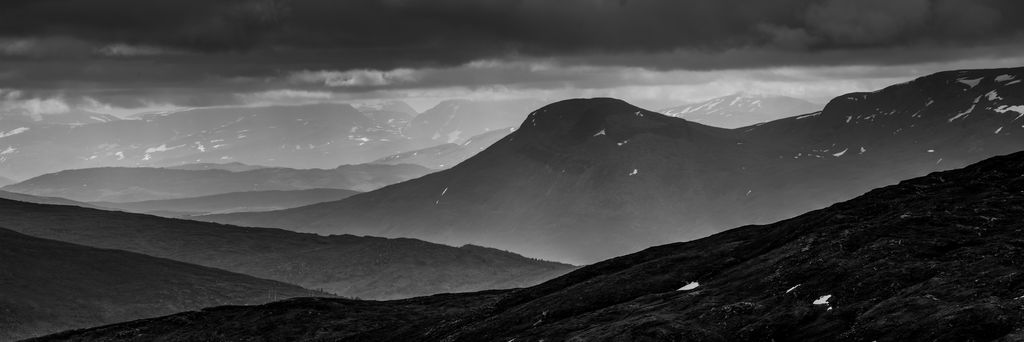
<point>447,155</point>
<point>231,202</point>
<point>395,113</point>
<point>72,117</point>
<point>739,110</point>
<point>318,135</point>
<point>455,121</point>
<point>233,167</point>
<point>583,180</point>
<point>365,267</point>
<point>937,258</point>
<point>48,286</point>
<point>299,136</point>
<point>6,181</point>
<point>119,184</point>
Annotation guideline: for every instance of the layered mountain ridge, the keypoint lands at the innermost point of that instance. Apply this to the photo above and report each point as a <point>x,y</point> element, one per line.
<point>119,184</point>
<point>582,180</point>
<point>353,266</point>
<point>933,258</point>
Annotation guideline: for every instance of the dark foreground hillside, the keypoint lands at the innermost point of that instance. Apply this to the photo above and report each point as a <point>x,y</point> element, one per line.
<point>936,258</point>
<point>48,286</point>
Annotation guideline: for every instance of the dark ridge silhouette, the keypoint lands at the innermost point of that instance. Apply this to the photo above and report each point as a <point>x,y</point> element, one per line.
<point>48,286</point>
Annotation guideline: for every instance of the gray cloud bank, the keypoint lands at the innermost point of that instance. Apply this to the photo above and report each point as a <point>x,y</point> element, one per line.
<point>198,51</point>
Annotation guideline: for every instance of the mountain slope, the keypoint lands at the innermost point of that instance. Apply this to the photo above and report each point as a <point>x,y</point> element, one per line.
<point>738,110</point>
<point>937,258</point>
<point>4,181</point>
<point>232,202</point>
<point>366,267</point>
<point>447,155</point>
<point>48,286</point>
<point>142,184</point>
<point>583,180</point>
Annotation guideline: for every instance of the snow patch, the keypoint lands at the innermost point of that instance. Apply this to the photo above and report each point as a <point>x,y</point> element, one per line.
<point>600,133</point>
<point>968,111</point>
<point>161,148</point>
<point>454,136</point>
<point>9,150</point>
<point>970,82</point>
<point>690,286</point>
<point>793,288</point>
<point>840,153</point>
<point>862,150</point>
<point>1004,78</point>
<point>1000,129</point>
<point>119,155</point>
<point>15,131</point>
<point>635,171</point>
<point>823,300</point>
<point>622,142</point>
<point>992,96</point>
<point>1019,109</point>
<point>811,115</point>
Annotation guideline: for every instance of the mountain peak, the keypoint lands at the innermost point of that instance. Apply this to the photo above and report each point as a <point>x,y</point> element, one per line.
<point>580,119</point>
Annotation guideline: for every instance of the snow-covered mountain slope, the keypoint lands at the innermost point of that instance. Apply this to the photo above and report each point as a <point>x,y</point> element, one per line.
<point>582,180</point>
<point>447,155</point>
<point>738,110</point>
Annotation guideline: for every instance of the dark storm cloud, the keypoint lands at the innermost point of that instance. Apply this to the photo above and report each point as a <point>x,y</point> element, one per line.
<point>202,52</point>
<point>393,33</point>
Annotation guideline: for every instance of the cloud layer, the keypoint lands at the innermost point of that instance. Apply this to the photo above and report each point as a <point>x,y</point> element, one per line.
<point>199,52</point>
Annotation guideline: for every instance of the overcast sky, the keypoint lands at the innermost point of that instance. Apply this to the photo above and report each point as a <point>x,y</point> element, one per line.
<point>123,56</point>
